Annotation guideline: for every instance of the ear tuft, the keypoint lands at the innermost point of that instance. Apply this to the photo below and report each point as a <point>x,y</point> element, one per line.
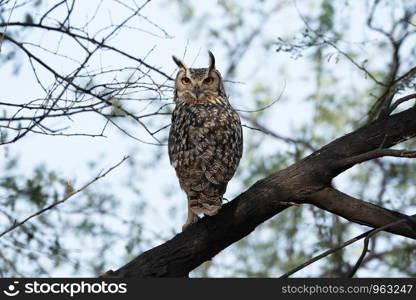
<point>179,62</point>
<point>211,65</point>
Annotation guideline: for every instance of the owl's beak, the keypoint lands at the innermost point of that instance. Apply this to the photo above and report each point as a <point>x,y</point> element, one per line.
<point>197,91</point>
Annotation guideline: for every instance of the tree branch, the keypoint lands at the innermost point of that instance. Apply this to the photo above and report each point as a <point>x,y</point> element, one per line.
<point>366,241</point>
<point>361,212</point>
<point>307,181</point>
<point>378,153</point>
<point>326,253</point>
<point>400,101</point>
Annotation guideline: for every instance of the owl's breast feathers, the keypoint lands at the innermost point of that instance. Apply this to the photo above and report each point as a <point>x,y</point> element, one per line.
<point>205,146</point>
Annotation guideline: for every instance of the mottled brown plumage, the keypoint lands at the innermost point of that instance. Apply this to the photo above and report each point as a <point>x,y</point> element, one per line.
<point>205,139</point>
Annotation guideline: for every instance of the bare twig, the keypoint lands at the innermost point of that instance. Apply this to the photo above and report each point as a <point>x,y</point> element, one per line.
<point>366,242</point>
<point>262,128</point>
<point>326,253</point>
<point>333,45</point>
<point>268,105</point>
<point>367,235</point>
<point>87,88</point>
<point>67,196</point>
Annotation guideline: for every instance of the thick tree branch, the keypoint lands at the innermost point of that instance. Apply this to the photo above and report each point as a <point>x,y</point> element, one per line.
<point>362,212</point>
<point>400,101</point>
<point>307,181</point>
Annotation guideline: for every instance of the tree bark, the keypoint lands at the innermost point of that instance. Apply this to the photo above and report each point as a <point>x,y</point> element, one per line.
<point>308,181</point>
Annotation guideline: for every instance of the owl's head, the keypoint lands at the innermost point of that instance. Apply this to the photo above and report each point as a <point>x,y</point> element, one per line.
<point>198,85</point>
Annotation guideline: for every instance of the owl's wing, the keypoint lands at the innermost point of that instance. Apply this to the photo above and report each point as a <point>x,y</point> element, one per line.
<point>223,148</point>
<point>209,147</point>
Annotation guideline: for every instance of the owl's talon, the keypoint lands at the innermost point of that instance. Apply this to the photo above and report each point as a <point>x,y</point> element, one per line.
<point>189,221</point>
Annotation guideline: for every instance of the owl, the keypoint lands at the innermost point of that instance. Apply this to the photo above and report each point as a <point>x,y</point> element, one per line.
<point>205,138</point>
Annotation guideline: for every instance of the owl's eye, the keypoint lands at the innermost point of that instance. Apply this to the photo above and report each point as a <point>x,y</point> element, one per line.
<point>185,80</point>
<point>209,80</point>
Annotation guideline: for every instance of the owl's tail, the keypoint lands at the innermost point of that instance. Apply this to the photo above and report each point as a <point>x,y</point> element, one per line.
<point>203,204</point>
